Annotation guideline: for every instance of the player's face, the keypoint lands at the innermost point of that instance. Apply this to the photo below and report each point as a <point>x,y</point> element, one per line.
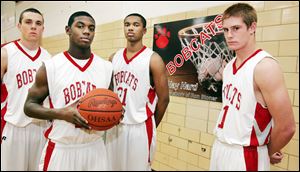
<point>133,28</point>
<point>237,34</point>
<point>31,26</point>
<point>82,31</point>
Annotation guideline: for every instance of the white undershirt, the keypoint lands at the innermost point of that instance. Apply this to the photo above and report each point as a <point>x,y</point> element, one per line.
<point>80,62</point>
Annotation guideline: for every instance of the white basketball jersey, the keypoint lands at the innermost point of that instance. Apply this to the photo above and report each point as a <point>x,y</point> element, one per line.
<point>68,80</point>
<point>131,80</point>
<point>243,120</point>
<point>22,66</point>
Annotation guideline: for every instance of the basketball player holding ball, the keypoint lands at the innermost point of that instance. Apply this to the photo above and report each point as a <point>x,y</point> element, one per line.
<point>66,77</point>
<point>140,80</point>
<point>254,96</point>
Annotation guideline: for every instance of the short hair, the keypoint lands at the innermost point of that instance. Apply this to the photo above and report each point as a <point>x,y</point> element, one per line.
<point>140,16</point>
<point>246,11</point>
<point>76,14</point>
<point>33,10</point>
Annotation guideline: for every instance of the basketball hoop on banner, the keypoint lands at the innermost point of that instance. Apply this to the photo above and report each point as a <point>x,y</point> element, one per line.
<point>210,56</point>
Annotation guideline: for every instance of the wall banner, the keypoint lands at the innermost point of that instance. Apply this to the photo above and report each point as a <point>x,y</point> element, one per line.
<point>195,53</point>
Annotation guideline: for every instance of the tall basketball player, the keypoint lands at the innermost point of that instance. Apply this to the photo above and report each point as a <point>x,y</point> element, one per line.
<point>139,78</point>
<point>254,97</point>
<point>66,77</point>
<point>22,137</point>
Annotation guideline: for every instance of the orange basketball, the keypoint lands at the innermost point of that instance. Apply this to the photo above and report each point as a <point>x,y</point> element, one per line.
<point>101,108</point>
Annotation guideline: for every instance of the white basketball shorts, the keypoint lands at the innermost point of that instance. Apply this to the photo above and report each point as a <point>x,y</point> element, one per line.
<point>79,157</point>
<point>131,147</point>
<point>21,147</point>
<point>226,157</point>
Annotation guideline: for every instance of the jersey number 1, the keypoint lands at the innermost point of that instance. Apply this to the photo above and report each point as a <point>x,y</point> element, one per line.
<point>221,125</point>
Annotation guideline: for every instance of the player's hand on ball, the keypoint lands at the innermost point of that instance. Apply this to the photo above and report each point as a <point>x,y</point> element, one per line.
<point>276,158</point>
<point>122,116</point>
<point>71,114</point>
<point>101,108</point>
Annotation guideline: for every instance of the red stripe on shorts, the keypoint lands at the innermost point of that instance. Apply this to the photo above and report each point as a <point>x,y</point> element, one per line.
<point>149,128</point>
<point>49,152</point>
<point>251,158</point>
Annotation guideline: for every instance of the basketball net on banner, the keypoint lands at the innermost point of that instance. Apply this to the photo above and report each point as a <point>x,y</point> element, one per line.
<point>211,58</point>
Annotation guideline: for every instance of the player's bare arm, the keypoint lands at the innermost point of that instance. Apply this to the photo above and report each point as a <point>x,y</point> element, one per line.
<point>270,82</point>
<point>37,94</point>
<point>3,62</point>
<point>160,80</point>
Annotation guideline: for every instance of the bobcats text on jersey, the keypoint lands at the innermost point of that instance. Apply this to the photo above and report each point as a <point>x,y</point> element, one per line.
<point>233,95</point>
<point>77,90</point>
<point>25,77</point>
<point>127,78</point>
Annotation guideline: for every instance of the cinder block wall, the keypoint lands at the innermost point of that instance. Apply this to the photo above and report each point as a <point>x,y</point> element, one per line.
<point>184,137</point>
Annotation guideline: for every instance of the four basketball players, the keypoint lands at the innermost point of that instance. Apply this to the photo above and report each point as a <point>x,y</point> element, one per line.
<point>244,141</point>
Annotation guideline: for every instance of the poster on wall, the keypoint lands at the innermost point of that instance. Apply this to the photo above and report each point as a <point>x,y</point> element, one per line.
<point>195,53</point>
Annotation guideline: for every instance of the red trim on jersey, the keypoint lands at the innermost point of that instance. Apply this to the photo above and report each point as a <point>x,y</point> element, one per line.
<point>2,45</point>
<point>149,128</point>
<point>50,103</point>
<point>3,111</point>
<point>148,111</point>
<point>125,56</point>
<point>151,95</point>
<point>3,122</point>
<point>262,117</point>
<point>251,158</point>
<point>4,92</point>
<point>47,132</point>
<point>82,69</point>
<point>235,70</point>
<point>253,138</point>
<point>32,58</point>
<point>49,151</point>
<point>268,137</point>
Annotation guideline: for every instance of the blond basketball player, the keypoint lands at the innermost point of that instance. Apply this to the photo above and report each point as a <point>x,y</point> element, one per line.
<point>139,78</point>
<point>22,137</point>
<point>254,96</point>
<point>66,77</point>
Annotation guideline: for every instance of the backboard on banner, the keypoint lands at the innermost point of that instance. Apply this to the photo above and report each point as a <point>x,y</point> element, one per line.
<point>195,54</point>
